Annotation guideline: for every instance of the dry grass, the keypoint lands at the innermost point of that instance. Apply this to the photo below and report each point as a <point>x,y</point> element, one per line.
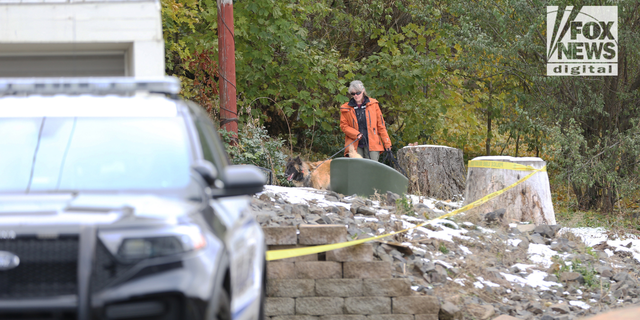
<point>574,220</point>
<point>569,235</point>
<point>378,197</point>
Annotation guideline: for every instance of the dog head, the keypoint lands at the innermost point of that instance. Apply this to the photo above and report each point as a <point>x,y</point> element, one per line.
<point>295,170</point>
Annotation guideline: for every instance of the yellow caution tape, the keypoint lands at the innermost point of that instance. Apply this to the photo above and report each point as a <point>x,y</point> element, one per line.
<point>499,165</point>
<point>290,253</point>
<point>492,195</point>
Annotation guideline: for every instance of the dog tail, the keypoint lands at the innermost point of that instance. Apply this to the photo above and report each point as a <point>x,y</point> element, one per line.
<point>353,153</point>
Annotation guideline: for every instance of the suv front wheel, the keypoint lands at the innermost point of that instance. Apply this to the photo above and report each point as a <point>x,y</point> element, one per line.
<point>224,306</point>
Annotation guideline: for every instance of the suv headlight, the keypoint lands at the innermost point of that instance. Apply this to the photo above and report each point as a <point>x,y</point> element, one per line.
<point>148,244</point>
<point>144,248</point>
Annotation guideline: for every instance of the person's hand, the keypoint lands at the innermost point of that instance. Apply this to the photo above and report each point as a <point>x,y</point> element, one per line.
<point>388,149</point>
<point>359,136</point>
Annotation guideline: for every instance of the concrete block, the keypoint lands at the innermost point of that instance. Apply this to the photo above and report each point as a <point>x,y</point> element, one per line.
<point>367,305</point>
<point>279,306</point>
<point>322,234</point>
<point>339,287</point>
<point>392,317</point>
<point>387,287</point>
<point>296,317</point>
<point>309,257</point>
<point>280,270</point>
<point>280,235</point>
<point>416,305</point>
<point>367,269</point>
<point>318,270</point>
<point>426,317</point>
<point>319,306</point>
<point>361,252</point>
<point>291,288</point>
<point>344,317</point>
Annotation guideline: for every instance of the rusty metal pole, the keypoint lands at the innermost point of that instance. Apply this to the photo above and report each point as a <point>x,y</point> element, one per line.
<point>227,61</point>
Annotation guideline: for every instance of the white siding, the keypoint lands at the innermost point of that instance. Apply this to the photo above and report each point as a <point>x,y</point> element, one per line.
<point>132,29</point>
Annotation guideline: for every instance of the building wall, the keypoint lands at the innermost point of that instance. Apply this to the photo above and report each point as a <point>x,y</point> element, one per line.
<point>46,32</point>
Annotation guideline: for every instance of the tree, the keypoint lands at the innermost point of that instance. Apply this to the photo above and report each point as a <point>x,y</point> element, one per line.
<point>295,60</point>
<point>469,74</point>
<point>592,120</point>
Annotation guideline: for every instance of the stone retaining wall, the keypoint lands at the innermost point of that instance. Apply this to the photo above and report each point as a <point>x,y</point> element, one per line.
<point>340,284</point>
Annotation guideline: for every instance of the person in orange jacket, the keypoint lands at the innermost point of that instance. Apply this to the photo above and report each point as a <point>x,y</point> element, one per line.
<point>361,119</point>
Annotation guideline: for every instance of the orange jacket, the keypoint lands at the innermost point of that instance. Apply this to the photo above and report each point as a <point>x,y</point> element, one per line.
<point>378,137</point>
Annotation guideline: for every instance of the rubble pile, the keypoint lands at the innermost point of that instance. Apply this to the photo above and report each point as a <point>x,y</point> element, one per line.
<point>477,267</point>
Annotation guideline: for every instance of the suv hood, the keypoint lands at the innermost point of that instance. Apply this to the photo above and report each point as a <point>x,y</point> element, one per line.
<point>77,209</point>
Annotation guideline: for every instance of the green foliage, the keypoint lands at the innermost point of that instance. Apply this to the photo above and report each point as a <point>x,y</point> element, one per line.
<point>589,274</point>
<point>586,125</point>
<point>404,206</point>
<point>315,144</point>
<point>586,270</point>
<point>500,44</point>
<point>599,169</point>
<point>301,57</point>
<point>256,147</point>
<point>467,74</point>
<point>591,252</point>
<point>568,214</point>
<point>442,248</point>
<point>449,224</point>
<point>190,52</point>
<point>276,60</point>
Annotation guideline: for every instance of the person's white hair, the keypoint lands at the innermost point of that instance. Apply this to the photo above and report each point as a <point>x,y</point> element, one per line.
<point>357,86</point>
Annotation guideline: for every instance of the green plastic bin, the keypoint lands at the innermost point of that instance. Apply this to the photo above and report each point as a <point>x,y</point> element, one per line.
<point>363,176</point>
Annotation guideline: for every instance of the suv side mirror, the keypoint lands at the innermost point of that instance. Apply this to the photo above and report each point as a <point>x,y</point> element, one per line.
<point>206,170</point>
<point>241,180</point>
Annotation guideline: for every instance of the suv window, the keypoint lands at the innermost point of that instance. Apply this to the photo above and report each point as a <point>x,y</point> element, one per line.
<point>85,153</point>
<point>204,142</point>
<point>212,148</point>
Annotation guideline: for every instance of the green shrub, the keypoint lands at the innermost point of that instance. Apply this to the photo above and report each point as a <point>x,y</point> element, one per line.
<point>256,147</point>
<point>404,206</point>
<point>586,270</point>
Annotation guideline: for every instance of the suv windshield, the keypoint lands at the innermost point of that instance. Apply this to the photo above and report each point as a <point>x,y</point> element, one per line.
<point>60,154</point>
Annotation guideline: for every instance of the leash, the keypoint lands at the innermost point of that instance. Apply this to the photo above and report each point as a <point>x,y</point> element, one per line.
<point>389,155</point>
<point>366,143</point>
<point>334,155</point>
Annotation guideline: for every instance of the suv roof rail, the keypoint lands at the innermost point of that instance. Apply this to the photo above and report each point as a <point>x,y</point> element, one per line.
<point>111,85</point>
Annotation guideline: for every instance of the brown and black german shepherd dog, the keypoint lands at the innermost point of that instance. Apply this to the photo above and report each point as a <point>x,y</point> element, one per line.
<point>312,174</point>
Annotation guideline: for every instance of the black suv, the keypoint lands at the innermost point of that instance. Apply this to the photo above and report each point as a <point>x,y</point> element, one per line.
<point>117,201</point>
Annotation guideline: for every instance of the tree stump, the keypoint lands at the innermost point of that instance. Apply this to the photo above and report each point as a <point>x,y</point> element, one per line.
<point>433,171</point>
<point>528,201</point>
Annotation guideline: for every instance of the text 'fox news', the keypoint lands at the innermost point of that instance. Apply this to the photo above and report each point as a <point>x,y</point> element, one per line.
<point>582,41</point>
